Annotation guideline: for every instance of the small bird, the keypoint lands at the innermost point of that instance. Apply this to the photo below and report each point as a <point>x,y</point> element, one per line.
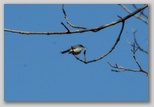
<point>75,50</point>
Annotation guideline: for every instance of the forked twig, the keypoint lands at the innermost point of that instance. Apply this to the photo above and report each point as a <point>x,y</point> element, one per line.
<point>68,22</point>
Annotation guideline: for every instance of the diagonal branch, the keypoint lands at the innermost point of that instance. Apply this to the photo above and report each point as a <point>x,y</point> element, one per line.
<point>65,27</point>
<point>80,30</point>
<point>137,16</point>
<point>138,46</point>
<point>136,43</point>
<point>134,56</point>
<point>141,11</point>
<point>107,53</point>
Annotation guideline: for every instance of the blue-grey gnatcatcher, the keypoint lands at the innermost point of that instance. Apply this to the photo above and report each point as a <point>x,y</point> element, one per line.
<point>75,50</point>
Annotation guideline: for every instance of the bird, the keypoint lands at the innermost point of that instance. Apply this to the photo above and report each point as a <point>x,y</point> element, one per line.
<point>75,50</point>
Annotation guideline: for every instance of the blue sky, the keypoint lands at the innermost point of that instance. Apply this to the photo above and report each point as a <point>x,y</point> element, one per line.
<point>35,70</point>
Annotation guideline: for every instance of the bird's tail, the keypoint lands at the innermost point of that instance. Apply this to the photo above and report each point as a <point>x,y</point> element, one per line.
<point>65,51</point>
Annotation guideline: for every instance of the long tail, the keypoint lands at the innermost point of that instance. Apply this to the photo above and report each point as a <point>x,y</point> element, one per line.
<point>65,51</point>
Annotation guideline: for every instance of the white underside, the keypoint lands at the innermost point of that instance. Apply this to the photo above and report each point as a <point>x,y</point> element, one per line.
<point>76,50</point>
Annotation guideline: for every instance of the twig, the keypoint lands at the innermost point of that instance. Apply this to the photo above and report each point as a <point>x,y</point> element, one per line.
<point>136,43</point>
<point>68,22</point>
<point>141,11</point>
<point>65,27</point>
<point>85,56</point>
<point>139,47</point>
<point>122,69</point>
<point>134,56</point>
<point>137,16</point>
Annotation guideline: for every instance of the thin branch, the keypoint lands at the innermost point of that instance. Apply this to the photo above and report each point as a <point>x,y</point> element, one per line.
<point>139,47</point>
<point>137,16</point>
<point>68,22</point>
<point>134,56</point>
<point>80,30</point>
<point>122,69</point>
<point>65,27</point>
<point>107,53</point>
<point>141,11</point>
<point>85,59</point>
<point>136,43</point>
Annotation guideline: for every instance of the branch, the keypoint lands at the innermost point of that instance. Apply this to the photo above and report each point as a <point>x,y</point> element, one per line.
<point>134,55</point>
<point>136,43</point>
<point>107,53</point>
<point>138,46</point>
<point>80,30</point>
<point>68,22</point>
<point>141,11</point>
<point>137,16</point>
<point>121,68</point>
<point>65,27</point>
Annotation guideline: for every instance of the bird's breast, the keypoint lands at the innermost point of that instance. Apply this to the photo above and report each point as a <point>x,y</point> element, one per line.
<point>76,50</point>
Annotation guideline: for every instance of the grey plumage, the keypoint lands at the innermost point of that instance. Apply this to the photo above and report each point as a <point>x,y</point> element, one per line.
<point>75,50</point>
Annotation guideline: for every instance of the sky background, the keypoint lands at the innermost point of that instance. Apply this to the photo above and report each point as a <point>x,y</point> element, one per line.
<point>35,70</point>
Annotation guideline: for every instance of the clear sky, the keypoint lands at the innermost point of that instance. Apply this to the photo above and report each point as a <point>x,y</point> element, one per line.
<point>35,70</point>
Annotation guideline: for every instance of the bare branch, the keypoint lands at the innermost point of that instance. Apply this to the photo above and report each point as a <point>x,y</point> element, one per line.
<point>122,69</point>
<point>137,16</point>
<point>141,11</point>
<point>80,30</point>
<point>68,22</point>
<point>65,27</point>
<point>138,46</point>
<point>136,43</point>
<point>107,53</point>
<point>85,56</point>
<point>134,55</point>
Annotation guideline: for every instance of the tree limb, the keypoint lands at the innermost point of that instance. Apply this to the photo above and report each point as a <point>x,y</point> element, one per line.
<point>77,31</point>
<point>122,69</point>
<point>107,53</point>
<point>138,46</point>
<point>137,16</point>
<point>134,50</point>
<point>141,11</point>
<point>68,22</point>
